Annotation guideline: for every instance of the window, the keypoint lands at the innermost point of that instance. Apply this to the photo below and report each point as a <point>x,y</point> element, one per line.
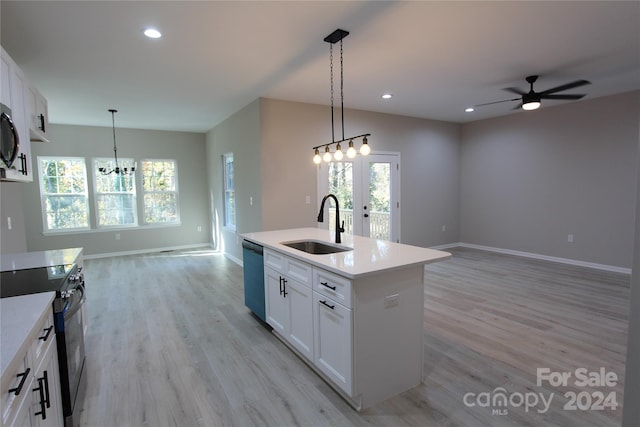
<point>63,188</point>
<point>115,196</point>
<point>160,191</point>
<point>229,191</point>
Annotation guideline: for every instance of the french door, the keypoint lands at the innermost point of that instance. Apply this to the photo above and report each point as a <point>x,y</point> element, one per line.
<point>368,189</point>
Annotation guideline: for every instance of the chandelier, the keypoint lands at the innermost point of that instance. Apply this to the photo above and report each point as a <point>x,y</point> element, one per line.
<point>332,39</point>
<point>117,170</point>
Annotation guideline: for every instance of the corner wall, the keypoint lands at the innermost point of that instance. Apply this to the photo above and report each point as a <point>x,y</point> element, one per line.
<point>528,180</point>
<point>240,135</point>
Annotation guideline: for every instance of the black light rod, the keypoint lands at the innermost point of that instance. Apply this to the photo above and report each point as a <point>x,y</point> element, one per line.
<point>342,140</point>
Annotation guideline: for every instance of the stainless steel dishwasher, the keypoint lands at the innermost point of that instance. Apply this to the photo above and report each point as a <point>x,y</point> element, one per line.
<point>253,278</point>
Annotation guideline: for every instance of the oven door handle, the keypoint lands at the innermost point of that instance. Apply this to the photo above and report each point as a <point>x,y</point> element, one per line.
<point>73,306</point>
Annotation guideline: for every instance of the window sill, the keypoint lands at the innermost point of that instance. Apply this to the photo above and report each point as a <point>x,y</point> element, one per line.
<point>110,229</point>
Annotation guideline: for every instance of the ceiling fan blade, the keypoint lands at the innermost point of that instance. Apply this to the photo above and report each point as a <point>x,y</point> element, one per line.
<point>562,96</point>
<point>514,90</point>
<point>567,86</point>
<point>496,102</point>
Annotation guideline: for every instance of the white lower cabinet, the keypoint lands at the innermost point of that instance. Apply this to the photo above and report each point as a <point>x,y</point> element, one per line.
<point>32,397</point>
<point>363,335</point>
<point>332,325</point>
<point>288,304</point>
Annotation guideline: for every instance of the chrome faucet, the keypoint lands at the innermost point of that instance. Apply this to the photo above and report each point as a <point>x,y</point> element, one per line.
<point>339,229</point>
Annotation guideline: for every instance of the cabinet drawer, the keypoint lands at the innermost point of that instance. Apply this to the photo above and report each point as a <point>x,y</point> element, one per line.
<point>298,271</point>
<point>333,286</point>
<point>274,260</point>
<point>20,381</point>
<point>46,335</point>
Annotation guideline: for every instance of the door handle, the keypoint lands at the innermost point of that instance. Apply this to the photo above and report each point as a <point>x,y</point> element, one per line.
<point>24,376</point>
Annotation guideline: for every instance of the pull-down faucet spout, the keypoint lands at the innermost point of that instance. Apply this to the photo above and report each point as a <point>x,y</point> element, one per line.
<point>339,228</point>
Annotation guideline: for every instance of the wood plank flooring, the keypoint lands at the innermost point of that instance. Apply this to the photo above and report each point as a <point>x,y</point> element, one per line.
<point>170,343</point>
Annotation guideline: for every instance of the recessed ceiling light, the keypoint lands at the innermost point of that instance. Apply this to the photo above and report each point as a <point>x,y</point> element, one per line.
<point>469,109</point>
<point>387,96</point>
<point>152,33</point>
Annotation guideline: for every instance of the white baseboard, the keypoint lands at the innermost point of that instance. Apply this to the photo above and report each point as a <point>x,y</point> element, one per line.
<point>147,251</point>
<point>579,263</point>
<point>234,259</point>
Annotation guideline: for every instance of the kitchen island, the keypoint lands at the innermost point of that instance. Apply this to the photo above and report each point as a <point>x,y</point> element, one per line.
<point>354,316</point>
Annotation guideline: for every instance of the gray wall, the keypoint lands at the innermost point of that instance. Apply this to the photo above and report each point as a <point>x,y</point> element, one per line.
<point>85,141</point>
<point>631,416</point>
<point>282,134</point>
<point>530,179</point>
<point>240,135</point>
<point>12,240</point>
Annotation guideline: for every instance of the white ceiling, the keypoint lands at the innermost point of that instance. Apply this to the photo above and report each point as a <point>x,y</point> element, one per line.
<point>216,57</point>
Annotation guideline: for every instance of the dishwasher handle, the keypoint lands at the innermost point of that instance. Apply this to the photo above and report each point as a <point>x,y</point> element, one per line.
<point>250,246</point>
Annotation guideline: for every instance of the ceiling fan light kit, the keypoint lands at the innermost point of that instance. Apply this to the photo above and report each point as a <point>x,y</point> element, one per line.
<point>333,38</point>
<point>532,100</point>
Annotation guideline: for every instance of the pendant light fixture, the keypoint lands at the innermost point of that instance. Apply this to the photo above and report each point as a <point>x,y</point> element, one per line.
<point>333,38</point>
<point>117,170</point>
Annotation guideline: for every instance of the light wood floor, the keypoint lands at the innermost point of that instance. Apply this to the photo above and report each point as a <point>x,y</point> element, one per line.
<point>170,343</point>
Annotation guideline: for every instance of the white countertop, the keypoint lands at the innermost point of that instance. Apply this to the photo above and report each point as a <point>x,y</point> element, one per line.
<point>368,256</point>
<point>20,317</point>
<point>23,261</point>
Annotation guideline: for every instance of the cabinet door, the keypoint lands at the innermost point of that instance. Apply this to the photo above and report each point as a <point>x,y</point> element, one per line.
<point>37,114</point>
<point>300,334</point>
<point>46,395</point>
<point>276,307</point>
<point>333,346</point>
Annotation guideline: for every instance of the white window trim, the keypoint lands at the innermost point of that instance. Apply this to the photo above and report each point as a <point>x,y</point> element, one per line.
<point>43,195</point>
<point>176,191</point>
<point>136,223</point>
<point>226,225</point>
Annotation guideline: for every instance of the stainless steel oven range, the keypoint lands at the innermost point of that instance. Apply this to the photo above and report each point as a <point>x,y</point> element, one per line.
<point>68,283</point>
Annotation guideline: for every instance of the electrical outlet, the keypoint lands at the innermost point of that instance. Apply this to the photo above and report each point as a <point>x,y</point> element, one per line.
<point>308,200</point>
<point>199,228</point>
<point>250,200</point>
<point>9,225</point>
<point>117,236</point>
<point>570,238</point>
<point>444,228</point>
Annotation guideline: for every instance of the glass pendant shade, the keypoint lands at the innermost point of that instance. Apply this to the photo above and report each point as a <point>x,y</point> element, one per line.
<point>327,155</point>
<point>365,149</point>
<point>351,152</point>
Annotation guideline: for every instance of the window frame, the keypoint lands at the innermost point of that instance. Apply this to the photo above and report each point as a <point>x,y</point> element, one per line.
<point>96,194</point>
<point>44,195</point>
<point>226,205</point>
<point>145,192</point>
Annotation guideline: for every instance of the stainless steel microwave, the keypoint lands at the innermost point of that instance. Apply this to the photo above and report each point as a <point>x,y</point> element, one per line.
<point>9,140</point>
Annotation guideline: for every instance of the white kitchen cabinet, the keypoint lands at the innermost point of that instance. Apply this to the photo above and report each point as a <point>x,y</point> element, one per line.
<point>14,85</point>
<point>31,383</point>
<point>47,402</point>
<point>333,352</point>
<point>38,115</point>
<point>288,301</point>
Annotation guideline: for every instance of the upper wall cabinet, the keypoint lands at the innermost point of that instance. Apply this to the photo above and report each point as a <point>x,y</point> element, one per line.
<point>16,161</point>
<point>25,115</point>
<point>38,115</point>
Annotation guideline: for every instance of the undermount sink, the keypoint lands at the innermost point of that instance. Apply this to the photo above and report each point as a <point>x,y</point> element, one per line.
<point>316,247</point>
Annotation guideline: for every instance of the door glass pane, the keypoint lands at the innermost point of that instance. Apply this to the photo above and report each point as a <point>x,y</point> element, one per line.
<point>341,184</point>
<point>380,200</point>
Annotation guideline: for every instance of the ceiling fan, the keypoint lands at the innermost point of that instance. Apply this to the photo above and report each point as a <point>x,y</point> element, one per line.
<point>532,100</point>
